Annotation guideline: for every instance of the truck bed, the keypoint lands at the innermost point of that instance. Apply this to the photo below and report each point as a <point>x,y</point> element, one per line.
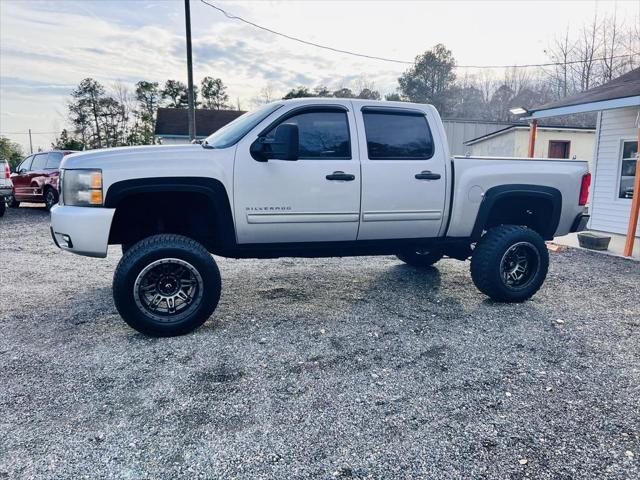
<point>473,176</point>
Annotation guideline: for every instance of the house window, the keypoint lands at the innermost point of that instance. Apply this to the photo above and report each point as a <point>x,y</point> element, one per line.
<point>628,168</point>
<point>559,148</point>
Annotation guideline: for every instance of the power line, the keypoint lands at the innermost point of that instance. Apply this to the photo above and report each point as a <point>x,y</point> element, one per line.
<point>395,60</point>
<point>235,17</point>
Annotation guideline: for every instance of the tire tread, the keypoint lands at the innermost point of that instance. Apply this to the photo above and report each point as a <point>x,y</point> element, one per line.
<point>487,251</point>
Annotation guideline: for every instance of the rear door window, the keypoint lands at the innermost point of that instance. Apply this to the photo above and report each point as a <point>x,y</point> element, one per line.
<point>53,160</point>
<point>39,161</point>
<point>397,136</point>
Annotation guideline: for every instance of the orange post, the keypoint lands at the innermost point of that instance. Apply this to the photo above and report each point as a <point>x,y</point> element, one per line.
<point>533,131</point>
<point>635,210</point>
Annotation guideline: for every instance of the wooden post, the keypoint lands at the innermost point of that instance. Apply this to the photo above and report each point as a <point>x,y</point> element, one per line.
<point>533,130</point>
<point>635,207</point>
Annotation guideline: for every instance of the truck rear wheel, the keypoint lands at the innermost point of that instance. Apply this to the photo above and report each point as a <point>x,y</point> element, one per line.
<point>510,263</point>
<point>3,206</point>
<point>420,258</point>
<point>166,285</point>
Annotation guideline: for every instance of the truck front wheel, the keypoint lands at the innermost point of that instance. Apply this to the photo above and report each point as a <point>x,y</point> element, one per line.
<point>166,285</point>
<point>510,263</point>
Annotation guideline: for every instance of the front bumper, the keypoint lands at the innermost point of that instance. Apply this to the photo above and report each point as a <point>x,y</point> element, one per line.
<point>82,230</point>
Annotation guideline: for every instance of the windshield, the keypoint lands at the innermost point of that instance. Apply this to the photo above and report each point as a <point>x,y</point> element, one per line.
<point>234,131</point>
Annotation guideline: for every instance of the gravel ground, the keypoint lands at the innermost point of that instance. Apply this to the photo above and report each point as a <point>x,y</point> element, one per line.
<point>328,368</point>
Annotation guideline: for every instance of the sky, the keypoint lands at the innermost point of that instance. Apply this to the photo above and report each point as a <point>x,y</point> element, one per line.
<point>48,47</point>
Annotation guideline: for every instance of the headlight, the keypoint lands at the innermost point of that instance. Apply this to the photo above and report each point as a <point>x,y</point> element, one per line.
<point>81,188</point>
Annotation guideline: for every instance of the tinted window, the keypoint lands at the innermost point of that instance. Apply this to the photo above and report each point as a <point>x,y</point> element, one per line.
<point>25,165</point>
<point>397,136</point>
<point>54,159</point>
<point>39,161</point>
<point>321,134</point>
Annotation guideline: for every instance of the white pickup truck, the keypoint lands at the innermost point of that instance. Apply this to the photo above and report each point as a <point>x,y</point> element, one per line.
<point>310,178</point>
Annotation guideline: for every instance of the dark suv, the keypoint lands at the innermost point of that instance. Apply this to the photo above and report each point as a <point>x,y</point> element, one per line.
<point>36,178</point>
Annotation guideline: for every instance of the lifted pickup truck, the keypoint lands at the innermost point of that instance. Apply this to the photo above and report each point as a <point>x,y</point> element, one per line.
<point>310,178</point>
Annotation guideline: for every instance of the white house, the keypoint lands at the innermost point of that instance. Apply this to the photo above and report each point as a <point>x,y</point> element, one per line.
<point>615,150</point>
<point>550,142</point>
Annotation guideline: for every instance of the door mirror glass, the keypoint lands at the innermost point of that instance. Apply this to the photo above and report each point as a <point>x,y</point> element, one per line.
<point>283,145</point>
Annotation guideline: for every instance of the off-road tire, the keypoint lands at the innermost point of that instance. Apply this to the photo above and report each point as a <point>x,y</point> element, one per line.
<point>487,259</point>
<point>420,260</point>
<point>13,203</point>
<point>170,248</point>
<point>3,206</point>
<point>50,197</point>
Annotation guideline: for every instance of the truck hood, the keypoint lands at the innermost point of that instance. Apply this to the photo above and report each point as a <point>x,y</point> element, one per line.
<point>111,157</point>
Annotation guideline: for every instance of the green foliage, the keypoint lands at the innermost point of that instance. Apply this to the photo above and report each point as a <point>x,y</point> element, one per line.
<point>393,97</point>
<point>67,142</point>
<point>11,152</point>
<point>299,92</point>
<point>368,94</point>
<point>431,78</point>
<point>148,97</point>
<point>322,91</point>
<point>344,93</point>
<point>177,94</point>
<point>214,95</point>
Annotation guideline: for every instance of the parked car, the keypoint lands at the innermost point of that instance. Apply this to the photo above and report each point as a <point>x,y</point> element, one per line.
<point>36,179</point>
<point>6,186</point>
<point>311,178</point>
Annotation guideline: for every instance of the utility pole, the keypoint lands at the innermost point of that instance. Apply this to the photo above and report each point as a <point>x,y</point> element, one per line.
<point>30,142</point>
<point>192,109</point>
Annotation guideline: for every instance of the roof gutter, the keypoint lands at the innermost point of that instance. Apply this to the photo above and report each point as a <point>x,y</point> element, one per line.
<point>584,107</point>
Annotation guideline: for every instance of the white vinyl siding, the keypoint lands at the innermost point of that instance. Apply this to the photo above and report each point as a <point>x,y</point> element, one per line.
<point>608,212</point>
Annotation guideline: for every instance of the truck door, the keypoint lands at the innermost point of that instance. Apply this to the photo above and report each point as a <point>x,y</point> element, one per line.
<point>21,179</point>
<point>315,198</point>
<point>403,174</point>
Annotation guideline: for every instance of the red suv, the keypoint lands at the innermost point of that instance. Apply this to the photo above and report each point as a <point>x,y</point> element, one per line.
<point>36,179</point>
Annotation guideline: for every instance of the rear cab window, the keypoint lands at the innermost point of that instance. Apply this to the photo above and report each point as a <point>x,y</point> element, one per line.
<point>397,135</point>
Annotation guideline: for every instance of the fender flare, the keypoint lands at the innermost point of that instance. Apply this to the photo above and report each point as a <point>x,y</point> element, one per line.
<point>535,192</point>
<point>212,188</point>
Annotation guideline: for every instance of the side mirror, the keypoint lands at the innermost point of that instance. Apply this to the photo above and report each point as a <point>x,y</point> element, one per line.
<point>284,145</point>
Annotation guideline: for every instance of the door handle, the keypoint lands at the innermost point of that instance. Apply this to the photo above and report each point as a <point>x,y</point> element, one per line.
<point>427,175</point>
<point>340,175</point>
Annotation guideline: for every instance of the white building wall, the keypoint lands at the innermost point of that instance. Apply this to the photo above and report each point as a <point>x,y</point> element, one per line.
<point>582,142</point>
<point>502,145</point>
<point>608,212</point>
<point>515,143</point>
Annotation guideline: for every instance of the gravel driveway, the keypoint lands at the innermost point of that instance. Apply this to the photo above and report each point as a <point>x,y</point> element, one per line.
<point>327,368</point>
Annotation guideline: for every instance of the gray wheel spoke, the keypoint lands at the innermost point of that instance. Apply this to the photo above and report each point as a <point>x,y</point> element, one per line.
<point>168,289</point>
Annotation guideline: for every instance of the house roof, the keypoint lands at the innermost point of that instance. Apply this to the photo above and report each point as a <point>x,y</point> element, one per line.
<point>526,127</point>
<point>623,91</point>
<point>174,122</point>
